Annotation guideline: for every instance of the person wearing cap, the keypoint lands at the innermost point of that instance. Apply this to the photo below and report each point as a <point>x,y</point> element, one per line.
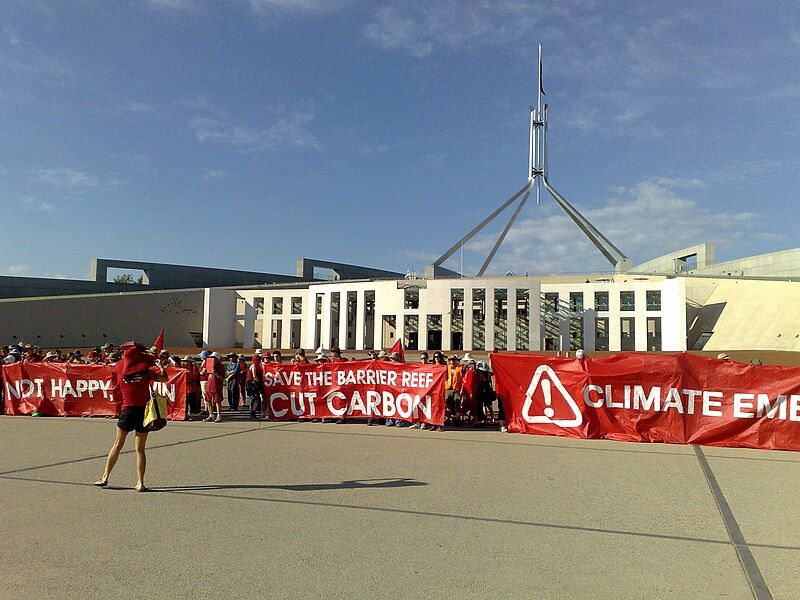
<point>30,355</point>
<point>163,359</point>
<point>214,374</point>
<point>300,358</point>
<point>203,356</point>
<point>75,357</point>
<point>13,355</point>
<point>320,356</point>
<point>51,356</point>
<point>94,355</point>
<point>105,351</point>
<point>131,378</point>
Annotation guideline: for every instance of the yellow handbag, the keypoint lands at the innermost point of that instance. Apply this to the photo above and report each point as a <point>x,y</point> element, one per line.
<point>155,413</point>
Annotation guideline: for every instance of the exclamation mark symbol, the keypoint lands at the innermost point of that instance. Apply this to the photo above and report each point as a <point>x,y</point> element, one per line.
<point>548,411</point>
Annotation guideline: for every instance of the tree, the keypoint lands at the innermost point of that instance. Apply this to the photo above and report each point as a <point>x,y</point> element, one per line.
<point>128,278</point>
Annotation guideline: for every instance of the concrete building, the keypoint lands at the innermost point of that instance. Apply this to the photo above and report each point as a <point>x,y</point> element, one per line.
<point>675,302</point>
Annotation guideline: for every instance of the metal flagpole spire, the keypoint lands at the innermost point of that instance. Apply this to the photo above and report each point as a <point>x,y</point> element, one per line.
<point>537,175</point>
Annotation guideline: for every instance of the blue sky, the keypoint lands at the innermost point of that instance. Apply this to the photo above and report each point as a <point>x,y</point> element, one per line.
<point>247,133</point>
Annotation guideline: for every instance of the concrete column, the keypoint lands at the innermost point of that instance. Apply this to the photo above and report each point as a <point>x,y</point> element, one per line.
<point>534,317</point>
<point>342,319</point>
<point>467,318</point>
<point>325,330</point>
<point>361,305</point>
<point>511,319</point>
<point>489,343</point>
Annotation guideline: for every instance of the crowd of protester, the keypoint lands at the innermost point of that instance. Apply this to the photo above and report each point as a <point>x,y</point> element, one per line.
<point>212,379</point>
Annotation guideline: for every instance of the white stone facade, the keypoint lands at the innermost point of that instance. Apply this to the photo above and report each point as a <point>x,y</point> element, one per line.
<point>478,313</point>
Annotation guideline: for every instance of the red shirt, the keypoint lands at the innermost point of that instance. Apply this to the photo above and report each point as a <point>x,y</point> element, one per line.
<point>135,387</point>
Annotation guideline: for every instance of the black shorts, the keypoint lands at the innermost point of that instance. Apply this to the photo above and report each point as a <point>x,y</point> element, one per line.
<point>132,418</point>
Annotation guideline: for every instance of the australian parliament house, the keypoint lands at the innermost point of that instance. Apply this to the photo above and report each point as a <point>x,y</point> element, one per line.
<point>683,300</point>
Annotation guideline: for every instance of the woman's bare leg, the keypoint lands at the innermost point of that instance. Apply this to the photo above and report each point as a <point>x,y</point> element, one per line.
<point>113,454</point>
<point>141,459</point>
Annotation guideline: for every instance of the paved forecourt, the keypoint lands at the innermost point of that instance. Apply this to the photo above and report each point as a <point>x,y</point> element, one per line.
<point>294,510</point>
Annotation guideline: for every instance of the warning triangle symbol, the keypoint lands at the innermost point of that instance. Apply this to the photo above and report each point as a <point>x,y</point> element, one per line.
<point>544,380</point>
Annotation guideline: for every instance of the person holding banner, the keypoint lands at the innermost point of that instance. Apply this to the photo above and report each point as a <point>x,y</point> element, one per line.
<point>132,376</point>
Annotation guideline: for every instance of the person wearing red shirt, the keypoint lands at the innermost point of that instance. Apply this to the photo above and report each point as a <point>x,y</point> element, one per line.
<point>192,385</point>
<point>242,379</point>
<point>214,372</point>
<point>469,392</point>
<point>131,378</point>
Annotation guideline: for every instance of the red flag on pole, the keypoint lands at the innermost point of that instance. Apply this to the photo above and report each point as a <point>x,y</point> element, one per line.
<point>159,343</point>
<point>398,348</point>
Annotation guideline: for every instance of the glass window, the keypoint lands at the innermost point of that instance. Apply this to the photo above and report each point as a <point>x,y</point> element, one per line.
<point>277,306</point>
<point>478,319</point>
<point>653,299</point>
<point>627,301</point>
<point>411,296</point>
<point>551,301</point>
<point>576,301</point>
<point>456,303</point>
<point>601,334</point>
<point>654,334</point>
<point>601,300</point>
<point>575,333</point>
<point>627,333</point>
<point>523,325</point>
<point>297,305</point>
<point>319,304</point>
<point>411,331</point>
<point>478,305</point>
<point>258,304</point>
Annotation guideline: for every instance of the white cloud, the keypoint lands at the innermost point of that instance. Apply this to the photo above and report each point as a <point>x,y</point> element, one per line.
<point>17,269</point>
<point>215,174</point>
<point>419,28</point>
<point>173,4</point>
<point>24,58</point>
<point>290,131</point>
<point>303,6</point>
<point>645,220</point>
<point>63,177</point>
<point>139,107</point>
<point>42,206</point>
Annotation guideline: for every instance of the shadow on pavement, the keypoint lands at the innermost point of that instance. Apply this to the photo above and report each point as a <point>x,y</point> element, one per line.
<point>351,484</point>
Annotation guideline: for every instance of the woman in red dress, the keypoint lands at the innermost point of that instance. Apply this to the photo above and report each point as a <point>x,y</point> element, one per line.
<point>131,378</point>
<point>215,374</point>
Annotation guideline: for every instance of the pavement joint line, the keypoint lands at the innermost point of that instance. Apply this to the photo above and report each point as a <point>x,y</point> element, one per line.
<point>749,565</point>
<point>153,447</point>
<point>417,513</point>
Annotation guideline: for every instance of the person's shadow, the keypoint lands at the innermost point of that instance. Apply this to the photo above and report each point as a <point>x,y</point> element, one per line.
<point>350,484</point>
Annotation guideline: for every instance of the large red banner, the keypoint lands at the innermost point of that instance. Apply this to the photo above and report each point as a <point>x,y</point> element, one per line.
<point>364,388</point>
<point>635,397</point>
<point>64,390</point>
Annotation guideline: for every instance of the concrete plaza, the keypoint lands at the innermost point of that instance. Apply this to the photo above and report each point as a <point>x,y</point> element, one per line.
<point>290,510</point>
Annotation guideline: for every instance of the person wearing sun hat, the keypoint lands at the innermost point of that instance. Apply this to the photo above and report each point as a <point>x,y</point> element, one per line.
<point>131,379</point>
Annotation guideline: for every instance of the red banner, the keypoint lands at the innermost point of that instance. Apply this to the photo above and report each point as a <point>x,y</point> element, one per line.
<point>634,397</point>
<point>63,390</point>
<point>365,388</point>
